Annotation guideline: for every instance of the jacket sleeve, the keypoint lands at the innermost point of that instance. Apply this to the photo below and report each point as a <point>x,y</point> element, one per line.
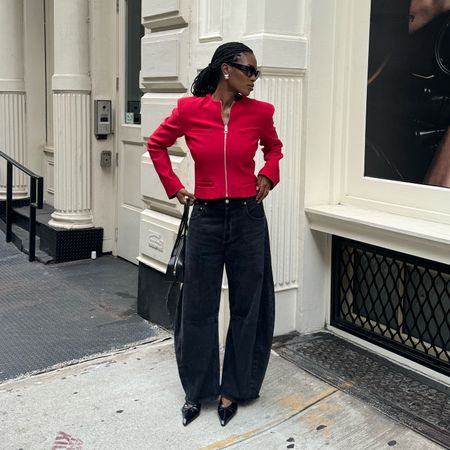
<point>271,147</point>
<point>158,143</point>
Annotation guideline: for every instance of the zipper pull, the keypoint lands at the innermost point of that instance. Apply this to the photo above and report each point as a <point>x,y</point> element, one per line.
<point>226,129</point>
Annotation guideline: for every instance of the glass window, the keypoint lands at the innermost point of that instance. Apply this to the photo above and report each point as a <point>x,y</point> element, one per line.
<point>390,143</point>
<point>134,33</point>
<point>408,92</point>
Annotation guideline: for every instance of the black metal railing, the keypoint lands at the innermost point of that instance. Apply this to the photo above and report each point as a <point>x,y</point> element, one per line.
<point>395,300</point>
<point>36,201</point>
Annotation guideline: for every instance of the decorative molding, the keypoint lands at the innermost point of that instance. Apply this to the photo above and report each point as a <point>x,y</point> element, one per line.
<point>160,267</point>
<point>155,107</point>
<point>282,72</point>
<point>159,15</point>
<point>277,33</point>
<point>285,306</point>
<point>269,16</point>
<point>151,187</point>
<point>71,82</point>
<point>154,65</point>
<point>8,85</point>
<point>165,23</point>
<point>154,110</point>
<point>72,120</point>
<point>155,241</point>
<point>71,46</point>
<point>285,204</point>
<point>157,236</point>
<point>13,139</point>
<point>210,20</point>
<point>419,237</point>
<point>279,50</point>
<point>48,174</point>
<point>165,58</point>
<point>157,8</point>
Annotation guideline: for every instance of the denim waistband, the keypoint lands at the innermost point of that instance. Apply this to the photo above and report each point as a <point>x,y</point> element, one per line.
<point>225,201</point>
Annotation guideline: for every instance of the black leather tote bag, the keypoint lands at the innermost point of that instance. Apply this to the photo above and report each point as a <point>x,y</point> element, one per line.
<point>175,268</point>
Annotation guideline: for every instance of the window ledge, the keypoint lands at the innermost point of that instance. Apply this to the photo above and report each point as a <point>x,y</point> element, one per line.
<point>423,238</point>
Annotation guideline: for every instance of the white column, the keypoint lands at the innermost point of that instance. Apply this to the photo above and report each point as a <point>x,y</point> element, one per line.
<point>12,94</point>
<point>277,35</point>
<point>71,86</point>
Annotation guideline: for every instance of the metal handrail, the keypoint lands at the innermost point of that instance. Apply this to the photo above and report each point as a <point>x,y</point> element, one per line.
<point>36,201</point>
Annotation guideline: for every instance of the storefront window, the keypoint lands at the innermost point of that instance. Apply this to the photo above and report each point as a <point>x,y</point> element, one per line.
<point>134,33</point>
<point>408,92</point>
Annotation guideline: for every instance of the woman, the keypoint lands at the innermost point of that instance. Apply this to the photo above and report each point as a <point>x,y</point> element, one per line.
<point>222,128</point>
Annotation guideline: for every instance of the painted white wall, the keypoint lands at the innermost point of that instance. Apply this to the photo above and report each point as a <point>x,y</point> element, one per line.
<point>103,54</point>
<point>320,149</point>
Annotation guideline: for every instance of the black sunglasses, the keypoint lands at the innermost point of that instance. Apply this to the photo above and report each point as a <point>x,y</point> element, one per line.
<point>248,70</point>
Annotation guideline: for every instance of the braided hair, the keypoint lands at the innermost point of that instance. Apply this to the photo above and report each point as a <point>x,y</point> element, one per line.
<point>207,80</point>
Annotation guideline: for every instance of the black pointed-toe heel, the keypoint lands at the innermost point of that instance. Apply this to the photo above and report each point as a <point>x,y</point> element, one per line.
<point>190,411</point>
<point>226,413</point>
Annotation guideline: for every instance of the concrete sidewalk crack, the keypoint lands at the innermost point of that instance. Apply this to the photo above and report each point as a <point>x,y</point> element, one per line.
<point>234,440</point>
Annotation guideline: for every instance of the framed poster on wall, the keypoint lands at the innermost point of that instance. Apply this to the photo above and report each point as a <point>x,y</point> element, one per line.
<point>408,92</point>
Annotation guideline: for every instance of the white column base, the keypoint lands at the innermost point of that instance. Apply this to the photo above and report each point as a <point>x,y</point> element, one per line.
<point>18,194</point>
<point>72,221</point>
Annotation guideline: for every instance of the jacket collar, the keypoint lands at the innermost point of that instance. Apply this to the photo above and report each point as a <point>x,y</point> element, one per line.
<point>243,100</point>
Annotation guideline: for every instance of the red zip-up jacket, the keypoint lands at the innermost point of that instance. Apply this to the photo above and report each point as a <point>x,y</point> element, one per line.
<point>223,154</point>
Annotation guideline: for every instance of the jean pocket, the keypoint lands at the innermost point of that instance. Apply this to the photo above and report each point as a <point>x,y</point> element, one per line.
<point>255,210</point>
<point>197,211</point>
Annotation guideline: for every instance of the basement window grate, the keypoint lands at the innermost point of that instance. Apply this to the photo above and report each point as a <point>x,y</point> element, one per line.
<point>394,300</point>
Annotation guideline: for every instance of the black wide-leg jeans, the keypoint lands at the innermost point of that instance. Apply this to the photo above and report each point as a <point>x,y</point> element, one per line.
<point>231,233</point>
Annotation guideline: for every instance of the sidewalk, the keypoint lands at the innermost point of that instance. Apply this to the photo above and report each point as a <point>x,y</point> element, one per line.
<point>109,378</point>
<point>53,314</point>
<point>131,400</point>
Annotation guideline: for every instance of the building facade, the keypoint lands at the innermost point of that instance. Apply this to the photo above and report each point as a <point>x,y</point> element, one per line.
<point>346,247</point>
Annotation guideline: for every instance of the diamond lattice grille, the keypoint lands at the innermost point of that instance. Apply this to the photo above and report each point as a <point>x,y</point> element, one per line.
<point>396,300</point>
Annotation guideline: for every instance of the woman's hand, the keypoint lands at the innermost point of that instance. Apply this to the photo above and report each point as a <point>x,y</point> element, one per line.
<point>182,194</point>
<point>263,186</point>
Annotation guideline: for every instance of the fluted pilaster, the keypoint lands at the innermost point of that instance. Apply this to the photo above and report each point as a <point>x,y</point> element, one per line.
<point>278,38</point>
<point>72,157</point>
<point>71,116</point>
<point>12,94</point>
<point>283,205</point>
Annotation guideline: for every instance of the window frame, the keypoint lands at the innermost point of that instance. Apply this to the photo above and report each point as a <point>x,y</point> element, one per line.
<point>415,200</point>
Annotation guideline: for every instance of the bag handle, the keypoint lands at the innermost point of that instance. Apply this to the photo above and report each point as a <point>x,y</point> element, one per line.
<point>182,230</point>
